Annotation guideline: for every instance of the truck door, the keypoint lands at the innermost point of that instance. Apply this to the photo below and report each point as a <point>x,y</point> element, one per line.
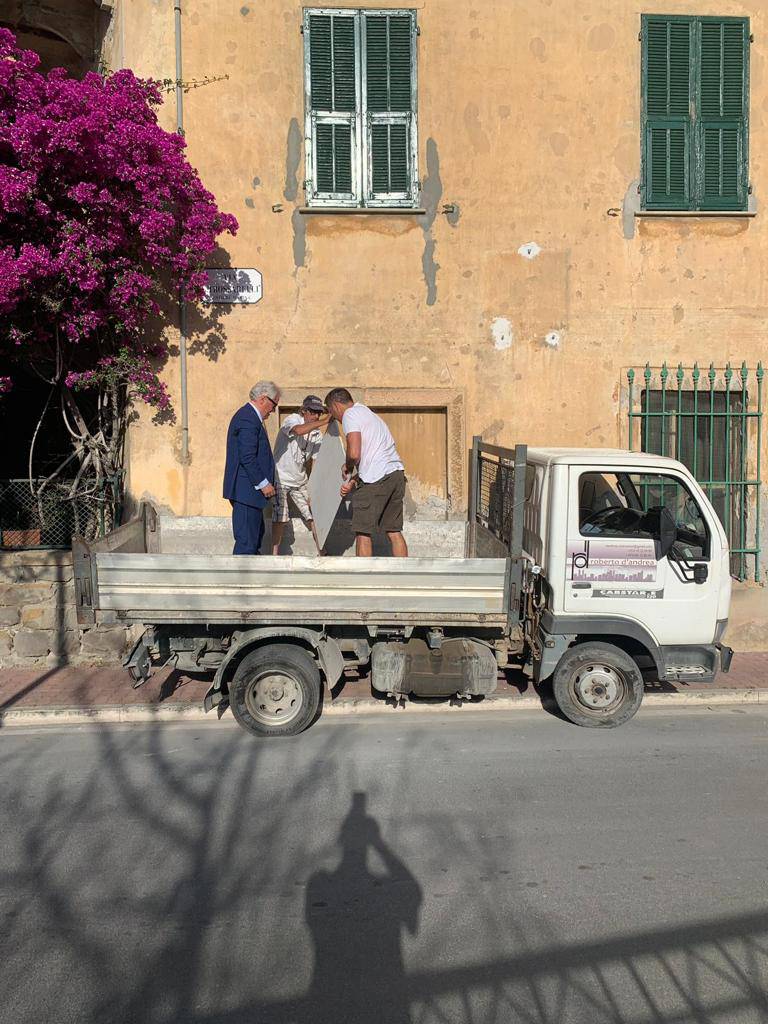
<point>640,547</point>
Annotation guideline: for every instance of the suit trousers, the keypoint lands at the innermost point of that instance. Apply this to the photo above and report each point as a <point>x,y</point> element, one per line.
<point>248,528</point>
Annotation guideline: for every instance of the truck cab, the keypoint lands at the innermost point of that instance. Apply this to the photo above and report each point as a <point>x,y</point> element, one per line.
<point>630,555</point>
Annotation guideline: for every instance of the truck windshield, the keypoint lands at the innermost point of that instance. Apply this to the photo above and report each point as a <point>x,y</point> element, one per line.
<point>629,505</point>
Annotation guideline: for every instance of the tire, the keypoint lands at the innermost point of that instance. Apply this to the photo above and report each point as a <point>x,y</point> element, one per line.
<point>597,685</point>
<point>275,690</point>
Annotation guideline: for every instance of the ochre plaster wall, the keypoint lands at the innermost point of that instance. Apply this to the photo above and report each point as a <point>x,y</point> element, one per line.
<point>529,124</point>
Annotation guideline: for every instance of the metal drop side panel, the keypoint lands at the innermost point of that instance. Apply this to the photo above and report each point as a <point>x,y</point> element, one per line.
<point>174,588</point>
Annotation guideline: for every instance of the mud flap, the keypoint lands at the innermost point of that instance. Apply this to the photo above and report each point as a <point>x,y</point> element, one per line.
<point>139,663</point>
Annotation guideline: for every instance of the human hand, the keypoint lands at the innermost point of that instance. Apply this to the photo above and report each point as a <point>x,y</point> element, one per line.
<point>347,488</point>
<point>268,491</point>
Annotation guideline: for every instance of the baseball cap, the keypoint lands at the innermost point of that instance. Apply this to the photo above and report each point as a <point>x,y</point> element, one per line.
<point>314,403</point>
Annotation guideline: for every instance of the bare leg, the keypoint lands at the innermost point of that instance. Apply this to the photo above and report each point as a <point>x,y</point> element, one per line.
<point>399,547</point>
<point>311,525</point>
<point>277,535</point>
<point>363,545</point>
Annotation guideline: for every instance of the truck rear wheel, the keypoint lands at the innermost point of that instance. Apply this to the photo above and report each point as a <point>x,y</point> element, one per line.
<point>597,685</point>
<point>275,690</point>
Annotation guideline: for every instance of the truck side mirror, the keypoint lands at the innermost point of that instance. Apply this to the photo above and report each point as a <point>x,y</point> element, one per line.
<point>667,533</point>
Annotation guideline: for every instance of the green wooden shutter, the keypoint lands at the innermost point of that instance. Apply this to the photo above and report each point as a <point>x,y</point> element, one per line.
<point>333,102</point>
<point>390,106</point>
<point>334,158</point>
<point>332,62</point>
<point>723,104</point>
<point>667,127</point>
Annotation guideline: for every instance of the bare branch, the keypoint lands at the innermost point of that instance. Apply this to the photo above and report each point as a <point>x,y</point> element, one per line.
<point>34,436</point>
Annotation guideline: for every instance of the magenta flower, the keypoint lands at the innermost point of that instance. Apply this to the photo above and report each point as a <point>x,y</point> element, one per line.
<point>102,221</point>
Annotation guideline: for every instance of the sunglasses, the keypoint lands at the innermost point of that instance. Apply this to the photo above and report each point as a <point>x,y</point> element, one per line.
<point>274,403</point>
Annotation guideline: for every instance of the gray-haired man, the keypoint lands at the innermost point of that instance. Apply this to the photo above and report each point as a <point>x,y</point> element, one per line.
<point>249,473</point>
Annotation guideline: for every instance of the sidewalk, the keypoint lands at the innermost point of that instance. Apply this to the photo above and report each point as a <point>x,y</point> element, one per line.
<point>66,695</point>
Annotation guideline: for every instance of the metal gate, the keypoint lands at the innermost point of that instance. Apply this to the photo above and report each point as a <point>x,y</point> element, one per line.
<point>711,421</point>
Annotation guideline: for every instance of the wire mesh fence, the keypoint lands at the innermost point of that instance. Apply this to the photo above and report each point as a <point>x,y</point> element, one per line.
<point>51,519</point>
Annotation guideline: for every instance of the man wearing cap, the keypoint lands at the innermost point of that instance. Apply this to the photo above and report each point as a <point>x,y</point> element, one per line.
<point>298,443</point>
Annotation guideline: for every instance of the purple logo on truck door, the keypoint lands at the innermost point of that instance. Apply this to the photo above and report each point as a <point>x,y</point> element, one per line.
<point>621,561</point>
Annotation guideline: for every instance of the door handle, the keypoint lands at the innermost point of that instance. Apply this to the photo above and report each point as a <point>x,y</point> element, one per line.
<point>700,573</point>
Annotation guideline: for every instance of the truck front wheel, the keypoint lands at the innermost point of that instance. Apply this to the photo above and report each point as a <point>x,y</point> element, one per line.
<point>597,685</point>
<point>275,690</point>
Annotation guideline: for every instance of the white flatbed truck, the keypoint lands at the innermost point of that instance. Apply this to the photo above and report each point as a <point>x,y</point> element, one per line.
<point>598,569</point>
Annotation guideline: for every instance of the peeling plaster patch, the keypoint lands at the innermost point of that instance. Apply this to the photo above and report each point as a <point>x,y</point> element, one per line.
<point>502,334</point>
<point>601,37</point>
<point>292,161</point>
<point>245,11</point>
<point>625,155</point>
<point>430,268</point>
<point>477,136</point>
<point>539,49</point>
<point>559,143</point>
<point>299,224</point>
<point>431,193</point>
<point>493,430</point>
<point>630,204</point>
<point>453,216</point>
<point>529,250</point>
<point>552,340</point>
<point>678,313</point>
<point>256,182</point>
<point>504,111</point>
<point>250,204</point>
<point>688,273</point>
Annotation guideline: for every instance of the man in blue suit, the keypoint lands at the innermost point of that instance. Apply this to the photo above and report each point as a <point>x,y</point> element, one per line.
<point>249,474</point>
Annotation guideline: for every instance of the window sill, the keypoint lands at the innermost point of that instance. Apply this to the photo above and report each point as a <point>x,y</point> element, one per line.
<point>695,213</point>
<point>368,211</point>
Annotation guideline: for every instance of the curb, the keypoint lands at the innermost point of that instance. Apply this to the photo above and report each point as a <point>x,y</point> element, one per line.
<point>126,714</point>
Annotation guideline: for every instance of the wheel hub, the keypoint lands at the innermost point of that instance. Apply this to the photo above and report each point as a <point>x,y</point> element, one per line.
<point>598,686</point>
<point>273,698</point>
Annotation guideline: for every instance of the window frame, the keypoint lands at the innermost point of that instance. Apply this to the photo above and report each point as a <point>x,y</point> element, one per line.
<point>667,474</point>
<point>361,120</point>
<point>694,125</point>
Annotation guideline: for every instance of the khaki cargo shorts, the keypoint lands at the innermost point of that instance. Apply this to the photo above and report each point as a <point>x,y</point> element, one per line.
<point>298,497</point>
<point>379,506</point>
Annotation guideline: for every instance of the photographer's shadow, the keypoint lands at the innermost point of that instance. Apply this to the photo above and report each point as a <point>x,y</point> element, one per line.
<point>356,918</point>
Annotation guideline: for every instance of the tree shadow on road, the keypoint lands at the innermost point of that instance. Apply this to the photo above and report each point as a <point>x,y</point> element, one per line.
<point>155,876</point>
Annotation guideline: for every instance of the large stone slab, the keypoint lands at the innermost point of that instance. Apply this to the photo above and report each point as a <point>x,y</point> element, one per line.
<point>325,481</point>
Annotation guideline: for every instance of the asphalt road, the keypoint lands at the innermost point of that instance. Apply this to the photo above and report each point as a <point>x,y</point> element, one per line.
<point>430,868</point>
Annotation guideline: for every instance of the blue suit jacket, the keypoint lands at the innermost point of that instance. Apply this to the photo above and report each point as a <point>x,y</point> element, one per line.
<point>249,459</point>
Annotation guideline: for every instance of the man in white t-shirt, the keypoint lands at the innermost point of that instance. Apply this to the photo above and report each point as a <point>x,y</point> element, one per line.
<point>297,445</point>
<point>373,474</point>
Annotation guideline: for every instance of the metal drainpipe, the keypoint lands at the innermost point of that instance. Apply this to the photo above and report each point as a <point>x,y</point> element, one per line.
<point>182,303</point>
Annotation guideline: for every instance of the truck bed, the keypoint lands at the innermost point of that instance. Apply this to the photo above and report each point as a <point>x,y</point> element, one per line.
<point>180,588</point>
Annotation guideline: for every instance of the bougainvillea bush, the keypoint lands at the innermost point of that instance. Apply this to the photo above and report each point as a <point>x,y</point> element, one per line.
<point>102,222</point>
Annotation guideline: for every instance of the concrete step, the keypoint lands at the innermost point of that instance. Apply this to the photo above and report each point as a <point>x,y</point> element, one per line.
<point>212,535</point>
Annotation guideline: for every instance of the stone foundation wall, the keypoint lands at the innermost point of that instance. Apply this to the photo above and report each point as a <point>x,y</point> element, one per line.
<point>38,619</point>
